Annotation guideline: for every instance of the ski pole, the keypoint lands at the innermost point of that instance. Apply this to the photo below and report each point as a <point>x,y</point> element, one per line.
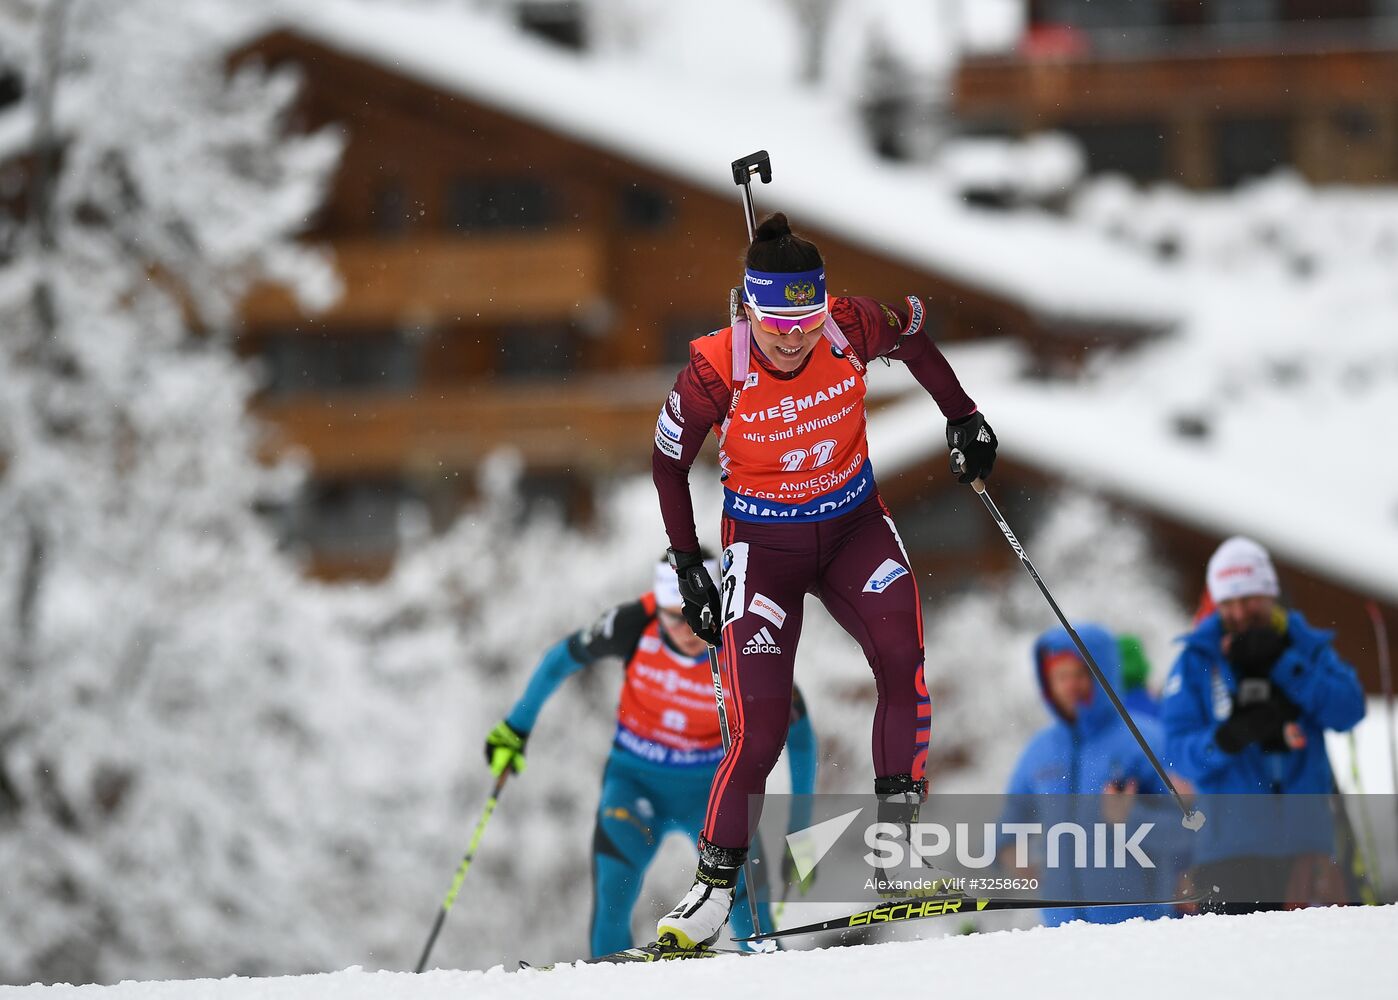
<point>1356,848</point>
<point>728,742</point>
<point>779,910</point>
<point>1193,819</point>
<point>1386,681</point>
<point>462,868</point>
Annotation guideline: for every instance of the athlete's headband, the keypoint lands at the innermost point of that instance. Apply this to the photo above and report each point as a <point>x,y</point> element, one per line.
<point>785,293</point>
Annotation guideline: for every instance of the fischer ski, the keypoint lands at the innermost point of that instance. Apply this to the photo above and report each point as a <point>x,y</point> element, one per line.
<point>656,951</point>
<point>899,910</point>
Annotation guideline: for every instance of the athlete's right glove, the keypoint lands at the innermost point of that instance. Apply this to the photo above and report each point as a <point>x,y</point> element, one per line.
<point>504,748</point>
<point>701,604</point>
<point>972,445</point>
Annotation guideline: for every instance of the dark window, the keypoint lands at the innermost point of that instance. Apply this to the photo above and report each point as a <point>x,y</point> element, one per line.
<point>542,350</point>
<point>11,87</point>
<point>391,211</point>
<point>1091,14</point>
<point>317,362</point>
<point>554,494</point>
<point>1186,13</point>
<point>1325,10</point>
<point>1227,12</point>
<point>1250,147</point>
<point>642,207</point>
<point>1101,18</point>
<point>1136,149</point>
<point>562,22</point>
<point>351,517</point>
<point>680,331</point>
<point>944,522</point>
<point>1355,123</point>
<point>484,204</point>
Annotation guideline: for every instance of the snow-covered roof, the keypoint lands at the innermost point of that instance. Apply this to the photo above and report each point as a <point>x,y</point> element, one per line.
<point>1269,411</point>
<point>825,174</point>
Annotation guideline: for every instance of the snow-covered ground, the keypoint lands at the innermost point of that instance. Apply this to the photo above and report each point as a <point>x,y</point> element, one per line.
<point>299,801</point>
<point>1322,953</point>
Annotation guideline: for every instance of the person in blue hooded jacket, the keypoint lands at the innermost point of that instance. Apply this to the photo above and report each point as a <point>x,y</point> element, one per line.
<point>1087,750</point>
<point>1245,710</point>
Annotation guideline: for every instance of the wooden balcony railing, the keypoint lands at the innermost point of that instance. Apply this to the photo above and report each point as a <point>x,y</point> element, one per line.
<point>425,280</point>
<point>588,425</point>
<point>1029,90</point>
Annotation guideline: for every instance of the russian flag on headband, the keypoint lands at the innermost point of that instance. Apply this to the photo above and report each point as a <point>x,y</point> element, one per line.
<point>785,293</point>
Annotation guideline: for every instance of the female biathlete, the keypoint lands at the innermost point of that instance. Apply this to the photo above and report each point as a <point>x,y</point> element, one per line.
<point>783,388</point>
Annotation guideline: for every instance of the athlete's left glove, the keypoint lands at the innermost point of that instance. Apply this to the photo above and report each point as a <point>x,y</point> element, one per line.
<point>972,445</point>
<point>701,604</point>
<point>504,748</point>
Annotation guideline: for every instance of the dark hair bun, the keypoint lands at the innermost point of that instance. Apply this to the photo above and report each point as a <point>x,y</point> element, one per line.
<point>774,227</point>
<point>777,249</point>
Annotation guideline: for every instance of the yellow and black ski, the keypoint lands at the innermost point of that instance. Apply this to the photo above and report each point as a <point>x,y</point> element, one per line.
<point>945,905</point>
<point>656,951</point>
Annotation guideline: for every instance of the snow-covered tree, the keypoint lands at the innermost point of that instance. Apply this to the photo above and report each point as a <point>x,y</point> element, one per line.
<point>153,673</point>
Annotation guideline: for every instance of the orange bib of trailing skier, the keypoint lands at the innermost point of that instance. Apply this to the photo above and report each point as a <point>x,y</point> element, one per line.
<point>794,449</point>
<point>667,714</point>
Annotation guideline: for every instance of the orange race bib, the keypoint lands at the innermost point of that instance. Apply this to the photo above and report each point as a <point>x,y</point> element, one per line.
<point>667,713</point>
<point>794,449</point>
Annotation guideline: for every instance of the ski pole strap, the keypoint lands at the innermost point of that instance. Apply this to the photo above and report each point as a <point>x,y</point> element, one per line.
<point>742,348</point>
<point>742,353</point>
<point>835,335</point>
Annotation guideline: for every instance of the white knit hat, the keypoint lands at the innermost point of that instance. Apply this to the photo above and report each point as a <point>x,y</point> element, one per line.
<point>667,585</point>
<point>1241,568</point>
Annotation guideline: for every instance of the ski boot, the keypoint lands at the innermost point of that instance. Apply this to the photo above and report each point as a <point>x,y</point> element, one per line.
<point>698,918</point>
<point>900,801</point>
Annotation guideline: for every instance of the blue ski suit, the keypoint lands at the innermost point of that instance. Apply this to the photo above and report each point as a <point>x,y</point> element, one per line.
<point>661,766</point>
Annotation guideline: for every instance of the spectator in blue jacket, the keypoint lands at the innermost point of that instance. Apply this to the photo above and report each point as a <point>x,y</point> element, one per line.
<point>1086,750</point>
<point>1245,710</point>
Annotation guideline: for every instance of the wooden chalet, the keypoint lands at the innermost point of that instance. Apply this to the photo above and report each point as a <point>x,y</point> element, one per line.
<point>509,285</point>
<point>1203,92</point>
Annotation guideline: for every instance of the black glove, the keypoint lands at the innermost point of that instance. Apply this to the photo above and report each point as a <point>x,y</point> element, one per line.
<point>1264,724</point>
<point>971,440</point>
<point>1254,652</point>
<point>701,604</point>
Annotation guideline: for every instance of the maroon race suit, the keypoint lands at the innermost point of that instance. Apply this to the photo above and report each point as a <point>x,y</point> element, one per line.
<point>839,544</point>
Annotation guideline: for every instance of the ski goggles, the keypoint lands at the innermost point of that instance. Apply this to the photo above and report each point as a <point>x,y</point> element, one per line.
<point>786,302</point>
<point>781,325</point>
